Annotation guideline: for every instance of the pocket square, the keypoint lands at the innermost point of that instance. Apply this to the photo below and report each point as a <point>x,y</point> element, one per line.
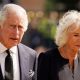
<point>31,73</point>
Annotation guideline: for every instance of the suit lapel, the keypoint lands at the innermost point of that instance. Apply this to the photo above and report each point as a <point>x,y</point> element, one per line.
<point>23,62</point>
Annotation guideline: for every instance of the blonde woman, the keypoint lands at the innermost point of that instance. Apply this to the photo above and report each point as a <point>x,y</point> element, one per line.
<point>63,62</point>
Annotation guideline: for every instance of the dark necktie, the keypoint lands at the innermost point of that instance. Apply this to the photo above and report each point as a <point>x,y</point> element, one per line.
<point>1,75</point>
<point>8,67</point>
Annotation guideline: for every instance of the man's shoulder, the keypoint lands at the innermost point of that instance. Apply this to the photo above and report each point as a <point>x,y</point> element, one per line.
<point>27,49</point>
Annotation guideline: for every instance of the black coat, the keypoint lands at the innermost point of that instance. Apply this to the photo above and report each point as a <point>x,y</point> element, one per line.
<point>49,65</point>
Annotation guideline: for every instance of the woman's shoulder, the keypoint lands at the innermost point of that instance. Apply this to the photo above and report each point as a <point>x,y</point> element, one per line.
<point>51,52</point>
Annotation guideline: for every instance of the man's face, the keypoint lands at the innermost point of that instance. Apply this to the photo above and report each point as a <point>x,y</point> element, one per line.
<point>11,31</point>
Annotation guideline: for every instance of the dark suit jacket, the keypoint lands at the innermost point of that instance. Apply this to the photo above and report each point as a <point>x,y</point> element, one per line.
<point>27,63</point>
<point>49,65</point>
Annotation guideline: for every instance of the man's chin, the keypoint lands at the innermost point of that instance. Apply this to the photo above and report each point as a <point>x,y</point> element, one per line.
<point>13,45</point>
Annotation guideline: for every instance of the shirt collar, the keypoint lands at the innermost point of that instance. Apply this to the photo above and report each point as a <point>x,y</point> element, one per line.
<point>3,48</point>
<point>13,49</point>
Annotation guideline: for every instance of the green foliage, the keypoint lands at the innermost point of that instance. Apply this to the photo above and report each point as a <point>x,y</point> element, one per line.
<point>49,6</point>
<point>46,28</point>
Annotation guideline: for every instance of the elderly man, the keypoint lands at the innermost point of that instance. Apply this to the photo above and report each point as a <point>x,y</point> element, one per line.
<point>17,61</point>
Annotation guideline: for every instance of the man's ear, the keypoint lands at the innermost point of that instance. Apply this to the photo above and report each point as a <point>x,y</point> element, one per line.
<point>0,26</point>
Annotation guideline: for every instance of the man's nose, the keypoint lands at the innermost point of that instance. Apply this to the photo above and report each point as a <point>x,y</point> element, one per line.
<point>16,30</point>
<point>79,38</point>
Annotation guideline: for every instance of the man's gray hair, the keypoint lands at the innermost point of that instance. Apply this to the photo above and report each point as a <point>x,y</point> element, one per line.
<point>8,8</point>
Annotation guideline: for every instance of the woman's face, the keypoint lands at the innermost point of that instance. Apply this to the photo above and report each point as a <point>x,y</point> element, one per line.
<point>73,41</point>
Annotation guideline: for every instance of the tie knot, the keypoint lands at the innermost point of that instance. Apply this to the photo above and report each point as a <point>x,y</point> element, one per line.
<point>8,52</point>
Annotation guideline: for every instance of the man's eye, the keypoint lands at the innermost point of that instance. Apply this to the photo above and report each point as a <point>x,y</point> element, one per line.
<point>20,26</point>
<point>76,35</point>
<point>12,26</point>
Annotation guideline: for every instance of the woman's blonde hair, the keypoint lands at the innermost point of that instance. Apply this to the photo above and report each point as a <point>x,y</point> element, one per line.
<point>64,26</point>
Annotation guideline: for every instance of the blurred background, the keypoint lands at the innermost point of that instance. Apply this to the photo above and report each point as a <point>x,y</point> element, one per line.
<point>43,16</point>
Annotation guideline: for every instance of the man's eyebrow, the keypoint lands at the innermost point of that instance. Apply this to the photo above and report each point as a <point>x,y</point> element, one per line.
<point>76,33</point>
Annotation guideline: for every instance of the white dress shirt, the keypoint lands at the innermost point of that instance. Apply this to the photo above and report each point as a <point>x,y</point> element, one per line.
<point>14,54</point>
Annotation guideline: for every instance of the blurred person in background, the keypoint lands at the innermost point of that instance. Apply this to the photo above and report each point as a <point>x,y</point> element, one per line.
<point>17,61</point>
<point>63,62</point>
<point>34,38</point>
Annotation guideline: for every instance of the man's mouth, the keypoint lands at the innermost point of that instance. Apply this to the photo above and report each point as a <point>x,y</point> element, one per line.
<point>15,39</point>
<point>78,45</point>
